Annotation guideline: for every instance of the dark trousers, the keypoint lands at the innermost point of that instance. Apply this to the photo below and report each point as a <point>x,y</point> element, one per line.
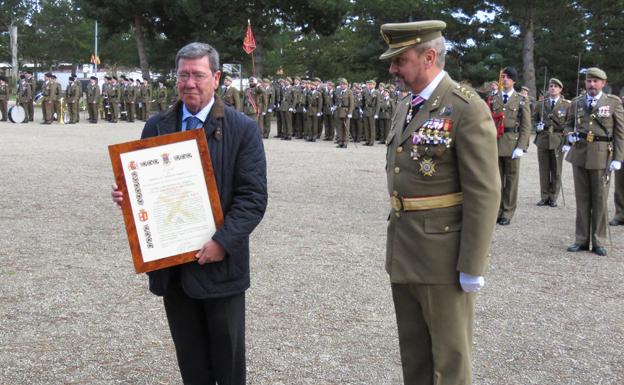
<point>209,337</point>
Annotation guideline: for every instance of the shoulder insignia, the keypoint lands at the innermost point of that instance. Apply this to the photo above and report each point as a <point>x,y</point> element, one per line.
<point>464,93</point>
<point>611,96</point>
<point>566,101</point>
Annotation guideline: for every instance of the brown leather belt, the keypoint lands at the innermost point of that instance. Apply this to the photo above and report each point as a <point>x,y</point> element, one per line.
<point>591,137</point>
<point>426,202</point>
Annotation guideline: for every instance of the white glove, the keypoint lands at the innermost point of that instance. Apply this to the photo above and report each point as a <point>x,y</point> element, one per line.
<point>565,148</point>
<point>615,165</point>
<point>291,109</point>
<point>304,109</point>
<point>572,138</point>
<point>539,127</point>
<point>471,283</point>
<point>349,116</point>
<point>264,113</point>
<point>517,153</point>
<point>318,114</point>
<point>270,110</point>
<point>376,116</point>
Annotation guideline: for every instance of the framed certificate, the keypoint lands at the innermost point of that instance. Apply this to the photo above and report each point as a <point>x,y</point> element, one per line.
<point>170,204</point>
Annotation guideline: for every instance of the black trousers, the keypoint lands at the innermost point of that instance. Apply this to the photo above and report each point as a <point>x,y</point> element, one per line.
<point>209,337</point>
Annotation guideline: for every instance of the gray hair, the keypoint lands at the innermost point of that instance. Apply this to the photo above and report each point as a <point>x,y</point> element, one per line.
<point>437,44</point>
<point>197,50</point>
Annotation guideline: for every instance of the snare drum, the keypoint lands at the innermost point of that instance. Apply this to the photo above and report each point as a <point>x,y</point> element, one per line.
<point>17,114</point>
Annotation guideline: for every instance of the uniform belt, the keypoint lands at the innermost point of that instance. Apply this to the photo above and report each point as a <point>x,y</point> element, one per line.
<point>426,202</point>
<point>510,129</point>
<point>591,137</point>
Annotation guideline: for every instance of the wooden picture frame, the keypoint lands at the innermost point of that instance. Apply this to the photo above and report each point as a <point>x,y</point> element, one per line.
<point>162,181</point>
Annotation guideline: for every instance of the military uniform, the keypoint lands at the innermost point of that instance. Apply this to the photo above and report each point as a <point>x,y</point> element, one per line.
<point>130,97</point>
<point>549,139</point>
<point>600,132</point>
<point>4,99</point>
<point>315,106</point>
<point>328,113</point>
<point>161,97</point>
<point>356,125</point>
<point>24,97</point>
<point>56,98</point>
<point>47,102</point>
<point>385,112</point>
<point>286,111</point>
<point>33,89</point>
<point>516,134</point>
<point>345,103</point>
<point>93,96</point>
<point>229,95</point>
<point>114,97</point>
<point>73,92</point>
<point>444,191</point>
<point>269,103</point>
<point>371,110</point>
<point>618,197</point>
<point>252,102</point>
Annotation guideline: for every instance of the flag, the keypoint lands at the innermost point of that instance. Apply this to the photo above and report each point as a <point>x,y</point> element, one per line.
<point>500,80</point>
<point>95,59</point>
<point>249,44</point>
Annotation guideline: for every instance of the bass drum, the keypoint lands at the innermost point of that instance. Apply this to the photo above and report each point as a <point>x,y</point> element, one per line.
<point>38,98</point>
<point>17,114</point>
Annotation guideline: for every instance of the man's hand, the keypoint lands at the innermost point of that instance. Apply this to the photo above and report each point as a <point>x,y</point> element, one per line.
<point>376,116</point>
<point>615,165</point>
<point>116,195</point>
<point>565,148</point>
<point>471,283</point>
<point>212,251</point>
<point>572,138</point>
<point>517,153</point>
<point>349,116</point>
<point>539,126</point>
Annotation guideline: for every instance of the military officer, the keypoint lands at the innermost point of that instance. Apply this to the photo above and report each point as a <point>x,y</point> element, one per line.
<point>513,134</point>
<point>356,125</point>
<point>269,103</point>
<point>56,97</point>
<point>252,100</point>
<point>287,110</point>
<point>328,110</point>
<point>114,97</point>
<point>4,98</point>
<point>73,92</point>
<point>444,188</point>
<point>385,111</point>
<point>371,112</point>
<point>24,96</point>
<point>161,95</point>
<point>30,79</point>
<point>47,103</point>
<point>229,94</point>
<point>146,97</point>
<point>550,116</point>
<point>105,108</point>
<point>595,128</point>
<point>93,96</point>
<point>345,103</point>
<point>315,107</point>
<point>299,106</point>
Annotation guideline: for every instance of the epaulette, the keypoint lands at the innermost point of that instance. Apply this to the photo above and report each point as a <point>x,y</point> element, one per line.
<point>464,93</point>
<point>566,101</point>
<point>613,97</point>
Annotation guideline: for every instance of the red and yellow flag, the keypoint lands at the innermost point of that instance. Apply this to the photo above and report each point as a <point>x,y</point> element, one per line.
<point>95,59</point>
<point>249,43</point>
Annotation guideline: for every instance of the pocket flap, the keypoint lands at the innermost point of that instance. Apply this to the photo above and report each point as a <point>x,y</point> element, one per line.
<point>443,224</point>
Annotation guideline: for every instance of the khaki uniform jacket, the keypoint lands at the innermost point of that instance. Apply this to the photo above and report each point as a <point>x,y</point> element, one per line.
<point>358,110</point>
<point>288,99</point>
<point>161,94</point>
<point>24,92</point>
<point>114,92</point>
<point>269,95</point>
<point>371,103</point>
<point>93,93</point>
<point>431,246</point>
<point>605,119</point>
<point>46,91</point>
<point>345,103</point>
<point>551,137</point>
<point>386,108</point>
<point>4,92</point>
<point>256,94</point>
<point>73,92</point>
<point>231,97</point>
<point>517,122</point>
<point>328,101</point>
<point>130,94</point>
<point>299,98</point>
<point>33,85</point>
<point>315,102</point>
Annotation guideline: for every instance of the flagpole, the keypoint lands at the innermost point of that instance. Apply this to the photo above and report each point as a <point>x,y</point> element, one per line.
<point>96,53</point>
<point>253,64</point>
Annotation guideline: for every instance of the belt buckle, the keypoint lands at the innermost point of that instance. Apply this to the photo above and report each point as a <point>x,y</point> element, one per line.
<point>590,136</point>
<point>396,203</point>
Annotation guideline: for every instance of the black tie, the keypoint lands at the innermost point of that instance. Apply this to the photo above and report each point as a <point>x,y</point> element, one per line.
<point>505,97</point>
<point>552,104</point>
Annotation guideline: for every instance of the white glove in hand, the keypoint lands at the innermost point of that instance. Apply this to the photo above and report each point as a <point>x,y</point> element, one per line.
<point>376,116</point>
<point>539,127</point>
<point>318,114</point>
<point>572,138</point>
<point>615,165</point>
<point>264,113</point>
<point>304,109</point>
<point>565,148</point>
<point>471,283</point>
<point>517,153</point>
<point>349,116</point>
<point>270,110</point>
<point>291,110</point>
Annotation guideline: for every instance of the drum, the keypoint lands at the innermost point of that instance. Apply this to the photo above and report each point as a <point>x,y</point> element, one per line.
<point>38,98</point>
<point>17,114</point>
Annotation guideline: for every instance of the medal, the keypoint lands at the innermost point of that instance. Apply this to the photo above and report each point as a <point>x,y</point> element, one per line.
<point>427,167</point>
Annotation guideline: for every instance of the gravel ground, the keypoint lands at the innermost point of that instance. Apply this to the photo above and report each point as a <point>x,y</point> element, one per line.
<point>319,311</point>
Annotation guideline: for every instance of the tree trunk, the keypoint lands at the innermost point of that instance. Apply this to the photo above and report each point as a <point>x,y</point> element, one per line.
<point>259,59</point>
<point>528,48</point>
<point>140,42</point>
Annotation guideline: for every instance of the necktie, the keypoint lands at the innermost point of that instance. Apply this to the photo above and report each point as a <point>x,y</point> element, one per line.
<point>415,104</point>
<point>193,122</point>
<point>591,102</point>
<point>505,97</point>
<point>552,104</point>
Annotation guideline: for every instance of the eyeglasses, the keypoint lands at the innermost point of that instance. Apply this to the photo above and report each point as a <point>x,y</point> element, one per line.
<point>197,77</point>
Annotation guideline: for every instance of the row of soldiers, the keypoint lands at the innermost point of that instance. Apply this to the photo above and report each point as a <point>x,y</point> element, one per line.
<point>117,98</point>
<point>304,108</point>
<point>588,131</point>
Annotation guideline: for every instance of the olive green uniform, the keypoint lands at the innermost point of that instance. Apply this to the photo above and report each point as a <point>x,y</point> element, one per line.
<point>371,109</point>
<point>47,103</point>
<point>230,96</point>
<point>618,196</point>
<point>269,102</point>
<point>286,111</point>
<point>385,112</point>
<point>315,105</point>
<point>601,133</point>
<point>130,97</point>
<point>444,203</point>
<point>31,104</point>
<point>4,101</point>
<point>328,113</point>
<point>161,98</point>
<point>93,95</point>
<point>146,100</point>
<point>24,97</point>
<point>517,133</point>
<point>114,96</point>
<point>345,103</point>
<point>356,126</point>
<point>73,92</point>
<point>549,142</point>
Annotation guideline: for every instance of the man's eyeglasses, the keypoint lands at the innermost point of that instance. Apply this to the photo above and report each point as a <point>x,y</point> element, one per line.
<point>197,77</point>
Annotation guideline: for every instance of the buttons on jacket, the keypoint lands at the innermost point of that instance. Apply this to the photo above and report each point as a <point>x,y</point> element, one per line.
<point>397,170</point>
<point>399,149</point>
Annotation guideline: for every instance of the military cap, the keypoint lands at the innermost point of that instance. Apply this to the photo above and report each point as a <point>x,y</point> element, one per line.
<point>401,36</point>
<point>596,72</point>
<point>228,78</point>
<point>525,88</point>
<point>48,75</point>
<point>53,76</point>
<point>115,78</point>
<point>107,77</point>
<point>130,79</point>
<point>94,78</point>
<point>29,72</point>
<point>342,81</point>
<point>288,79</point>
<point>370,82</point>
<point>297,78</point>
<point>22,76</point>
<point>317,79</point>
<point>511,73</point>
<point>145,79</point>
<point>382,85</point>
<point>266,80</point>
<point>72,78</point>
<point>556,82</point>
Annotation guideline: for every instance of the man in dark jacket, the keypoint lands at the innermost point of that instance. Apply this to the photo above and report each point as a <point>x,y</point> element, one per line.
<point>205,300</point>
